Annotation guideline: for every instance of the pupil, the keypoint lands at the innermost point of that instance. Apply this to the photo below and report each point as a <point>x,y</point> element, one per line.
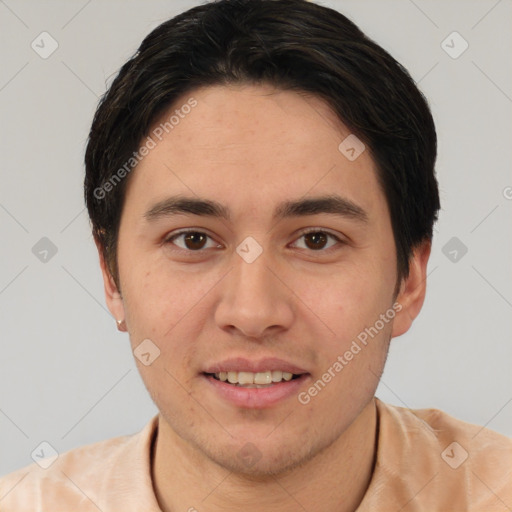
<point>193,240</point>
<point>318,239</point>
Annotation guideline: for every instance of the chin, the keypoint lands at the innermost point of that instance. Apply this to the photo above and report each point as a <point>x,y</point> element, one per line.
<point>264,458</point>
<point>263,469</point>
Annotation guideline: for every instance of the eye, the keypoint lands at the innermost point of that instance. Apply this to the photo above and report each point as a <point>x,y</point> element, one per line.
<point>191,240</point>
<point>195,241</point>
<point>316,240</point>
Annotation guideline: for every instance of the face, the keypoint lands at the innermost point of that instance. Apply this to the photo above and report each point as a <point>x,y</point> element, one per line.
<point>281,282</point>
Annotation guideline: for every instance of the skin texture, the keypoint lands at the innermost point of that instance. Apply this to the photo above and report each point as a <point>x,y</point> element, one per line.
<point>250,147</point>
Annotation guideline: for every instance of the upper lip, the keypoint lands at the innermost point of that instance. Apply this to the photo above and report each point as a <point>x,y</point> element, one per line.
<point>241,364</point>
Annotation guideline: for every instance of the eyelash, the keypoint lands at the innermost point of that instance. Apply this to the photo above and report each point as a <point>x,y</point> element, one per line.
<point>169,240</point>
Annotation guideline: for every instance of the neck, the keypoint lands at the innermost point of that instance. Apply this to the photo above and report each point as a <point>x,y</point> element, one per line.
<point>335,479</point>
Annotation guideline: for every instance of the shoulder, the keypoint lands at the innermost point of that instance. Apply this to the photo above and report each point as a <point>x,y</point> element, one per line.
<point>458,464</point>
<point>80,477</point>
<point>462,440</point>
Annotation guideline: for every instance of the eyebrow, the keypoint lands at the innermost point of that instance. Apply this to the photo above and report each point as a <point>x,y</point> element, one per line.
<point>330,204</point>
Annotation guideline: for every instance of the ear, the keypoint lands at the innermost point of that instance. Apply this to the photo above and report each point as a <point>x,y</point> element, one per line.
<point>112,295</point>
<point>412,290</point>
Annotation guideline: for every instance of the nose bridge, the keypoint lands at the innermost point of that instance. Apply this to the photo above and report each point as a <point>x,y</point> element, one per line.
<point>253,299</point>
<point>253,278</point>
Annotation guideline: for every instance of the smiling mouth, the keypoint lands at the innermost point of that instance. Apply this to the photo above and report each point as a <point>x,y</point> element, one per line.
<point>254,380</point>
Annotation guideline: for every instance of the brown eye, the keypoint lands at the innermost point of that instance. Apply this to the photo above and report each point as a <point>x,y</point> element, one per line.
<point>190,240</point>
<point>194,240</point>
<point>316,240</point>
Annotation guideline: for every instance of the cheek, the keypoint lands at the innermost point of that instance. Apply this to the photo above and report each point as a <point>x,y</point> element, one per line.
<point>353,351</point>
<point>168,307</point>
<point>346,300</point>
<point>152,296</point>
<point>143,297</point>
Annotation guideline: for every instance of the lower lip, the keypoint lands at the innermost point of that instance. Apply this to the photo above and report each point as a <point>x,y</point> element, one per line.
<point>256,398</point>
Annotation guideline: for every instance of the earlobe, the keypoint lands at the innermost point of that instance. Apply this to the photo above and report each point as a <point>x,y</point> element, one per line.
<point>412,289</point>
<point>112,296</point>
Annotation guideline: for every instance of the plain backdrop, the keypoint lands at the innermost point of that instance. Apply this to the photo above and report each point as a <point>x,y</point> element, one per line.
<point>69,378</point>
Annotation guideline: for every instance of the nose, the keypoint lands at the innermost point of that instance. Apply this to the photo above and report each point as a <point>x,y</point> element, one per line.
<point>254,301</point>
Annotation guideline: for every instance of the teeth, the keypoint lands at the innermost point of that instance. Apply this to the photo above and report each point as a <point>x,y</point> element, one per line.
<point>250,378</point>
<point>277,376</point>
<point>245,378</point>
<point>263,378</point>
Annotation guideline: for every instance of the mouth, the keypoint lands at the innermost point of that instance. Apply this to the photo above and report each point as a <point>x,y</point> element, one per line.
<point>254,384</point>
<point>263,379</point>
<point>255,390</point>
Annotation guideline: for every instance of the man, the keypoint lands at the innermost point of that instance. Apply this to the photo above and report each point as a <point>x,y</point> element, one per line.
<point>260,181</point>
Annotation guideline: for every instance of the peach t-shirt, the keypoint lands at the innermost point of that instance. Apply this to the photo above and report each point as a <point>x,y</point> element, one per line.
<point>427,461</point>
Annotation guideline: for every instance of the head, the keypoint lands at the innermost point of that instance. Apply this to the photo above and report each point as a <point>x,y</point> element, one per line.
<point>249,123</point>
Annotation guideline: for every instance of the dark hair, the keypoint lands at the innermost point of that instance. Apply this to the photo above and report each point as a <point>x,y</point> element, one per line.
<point>294,45</point>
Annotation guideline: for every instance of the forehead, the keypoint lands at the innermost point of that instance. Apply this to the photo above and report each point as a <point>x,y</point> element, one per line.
<point>241,121</point>
<point>253,145</point>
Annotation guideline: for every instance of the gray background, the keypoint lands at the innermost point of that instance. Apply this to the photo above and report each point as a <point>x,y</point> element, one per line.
<point>68,377</point>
